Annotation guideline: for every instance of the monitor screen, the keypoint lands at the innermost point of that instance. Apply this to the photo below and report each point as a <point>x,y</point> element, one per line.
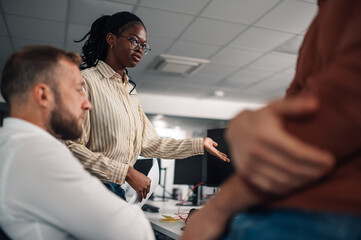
<point>143,165</point>
<point>214,170</point>
<point>188,170</point>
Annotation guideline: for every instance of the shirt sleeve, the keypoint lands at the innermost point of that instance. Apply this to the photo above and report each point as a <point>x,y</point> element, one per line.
<point>336,127</point>
<point>59,192</point>
<point>155,146</point>
<point>106,169</point>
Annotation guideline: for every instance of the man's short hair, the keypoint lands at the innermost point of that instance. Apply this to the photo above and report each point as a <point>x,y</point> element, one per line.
<point>31,65</point>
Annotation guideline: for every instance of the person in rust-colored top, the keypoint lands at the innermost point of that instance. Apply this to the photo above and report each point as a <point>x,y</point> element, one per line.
<point>323,108</point>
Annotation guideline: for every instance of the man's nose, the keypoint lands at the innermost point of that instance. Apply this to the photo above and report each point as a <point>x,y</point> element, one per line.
<point>86,104</point>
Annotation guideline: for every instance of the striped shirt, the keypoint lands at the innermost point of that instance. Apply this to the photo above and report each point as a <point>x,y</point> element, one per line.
<point>116,131</point>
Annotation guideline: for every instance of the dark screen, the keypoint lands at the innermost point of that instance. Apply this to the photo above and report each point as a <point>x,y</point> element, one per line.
<point>188,170</point>
<point>215,171</point>
<point>143,165</point>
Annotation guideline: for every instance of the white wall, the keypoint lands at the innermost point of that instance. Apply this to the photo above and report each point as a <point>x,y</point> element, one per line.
<point>193,107</point>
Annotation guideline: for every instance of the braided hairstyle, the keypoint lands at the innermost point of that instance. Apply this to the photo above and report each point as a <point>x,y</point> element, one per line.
<point>96,47</point>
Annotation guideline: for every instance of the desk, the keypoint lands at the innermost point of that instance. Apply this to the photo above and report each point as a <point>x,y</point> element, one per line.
<point>170,229</point>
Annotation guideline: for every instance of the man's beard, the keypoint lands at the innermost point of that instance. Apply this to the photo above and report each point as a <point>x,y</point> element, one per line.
<point>63,124</point>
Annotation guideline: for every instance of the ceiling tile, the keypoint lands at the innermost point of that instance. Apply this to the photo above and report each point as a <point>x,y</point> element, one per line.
<point>187,91</point>
<point>44,9</point>
<point>85,12</point>
<point>219,70</point>
<point>3,31</point>
<point>273,84</point>
<point>291,46</point>
<point>259,95</point>
<point>240,96</point>
<point>212,31</point>
<point>19,43</point>
<point>184,6</point>
<point>202,80</point>
<point>155,77</point>
<point>235,57</point>
<point>163,23</point>
<point>274,62</point>
<point>280,79</point>
<point>34,29</point>
<point>240,11</point>
<point>270,92</point>
<point>246,77</point>
<point>311,1</point>
<point>290,15</point>
<point>260,39</point>
<point>192,49</point>
<point>291,70</point>
<point>159,45</point>
<point>76,32</point>
<point>153,87</point>
<point>124,1</point>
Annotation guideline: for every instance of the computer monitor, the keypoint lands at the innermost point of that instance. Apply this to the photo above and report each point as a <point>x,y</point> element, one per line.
<point>205,168</point>
<point>143,165</point>
<point>188,171</point>
<point>214,170</point>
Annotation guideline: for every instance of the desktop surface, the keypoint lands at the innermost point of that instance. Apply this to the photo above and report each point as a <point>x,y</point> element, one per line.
<point>169,208</point>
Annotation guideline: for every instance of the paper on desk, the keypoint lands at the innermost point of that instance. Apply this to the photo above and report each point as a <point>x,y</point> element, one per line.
<point>154,177</point>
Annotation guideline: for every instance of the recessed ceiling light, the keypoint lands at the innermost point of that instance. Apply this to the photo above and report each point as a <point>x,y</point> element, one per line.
<point>178,65</point>
<point>219,93</point>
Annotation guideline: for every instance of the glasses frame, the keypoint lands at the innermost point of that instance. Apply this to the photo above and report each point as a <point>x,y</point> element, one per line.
<point>136,44</point>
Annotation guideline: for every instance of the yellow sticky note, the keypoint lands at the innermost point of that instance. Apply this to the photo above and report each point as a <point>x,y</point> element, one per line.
<point>168,219</point>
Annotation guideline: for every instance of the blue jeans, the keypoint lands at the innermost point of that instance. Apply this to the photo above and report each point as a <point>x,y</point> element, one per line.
<point>117,189</point>
<point>295,225</point>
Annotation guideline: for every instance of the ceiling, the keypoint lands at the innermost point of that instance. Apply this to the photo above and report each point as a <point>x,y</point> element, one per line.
<point>251,44</point>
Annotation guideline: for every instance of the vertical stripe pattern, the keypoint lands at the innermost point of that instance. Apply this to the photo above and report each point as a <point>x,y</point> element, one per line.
<point>116,131</point>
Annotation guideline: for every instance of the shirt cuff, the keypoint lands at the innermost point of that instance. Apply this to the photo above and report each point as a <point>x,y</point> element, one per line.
<point>197,146</point>
<point>120,173</point>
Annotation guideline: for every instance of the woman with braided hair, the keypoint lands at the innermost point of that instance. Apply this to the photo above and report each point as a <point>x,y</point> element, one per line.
<point>117,131</point>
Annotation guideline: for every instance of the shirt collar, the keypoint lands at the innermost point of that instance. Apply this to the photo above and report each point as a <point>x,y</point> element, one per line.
<point>107,71</point>
<point>19,124</point>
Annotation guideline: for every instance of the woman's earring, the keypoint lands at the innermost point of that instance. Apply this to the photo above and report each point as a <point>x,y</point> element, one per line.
<point>112,46</point>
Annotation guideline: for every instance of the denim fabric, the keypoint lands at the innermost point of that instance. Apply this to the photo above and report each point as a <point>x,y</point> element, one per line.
<point>295,225</point>
<point>117,189</point>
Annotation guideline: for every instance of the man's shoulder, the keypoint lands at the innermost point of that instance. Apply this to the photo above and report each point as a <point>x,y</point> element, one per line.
<point>29,143</point>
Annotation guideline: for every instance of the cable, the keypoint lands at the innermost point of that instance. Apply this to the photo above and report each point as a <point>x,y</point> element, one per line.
<point>179,214</point>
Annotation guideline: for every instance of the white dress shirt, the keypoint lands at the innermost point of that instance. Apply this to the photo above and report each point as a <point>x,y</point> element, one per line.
<point>45,193</point>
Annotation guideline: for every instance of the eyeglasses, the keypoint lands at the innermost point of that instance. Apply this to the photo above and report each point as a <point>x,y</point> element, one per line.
<point>136,44</point>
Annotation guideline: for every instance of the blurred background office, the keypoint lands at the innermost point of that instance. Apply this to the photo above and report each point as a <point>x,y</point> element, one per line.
<point>209,59</point>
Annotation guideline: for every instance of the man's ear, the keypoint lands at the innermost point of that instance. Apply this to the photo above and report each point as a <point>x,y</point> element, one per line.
<point>110,39</point>
<point>43,95</point>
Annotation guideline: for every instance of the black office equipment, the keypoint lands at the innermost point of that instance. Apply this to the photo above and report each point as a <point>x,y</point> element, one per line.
<point>143,165</point>
<point>150,208</point>
<point>204,168</point>
<point>4,111</point>
<point>214,170</point>
<point>188,170</point>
